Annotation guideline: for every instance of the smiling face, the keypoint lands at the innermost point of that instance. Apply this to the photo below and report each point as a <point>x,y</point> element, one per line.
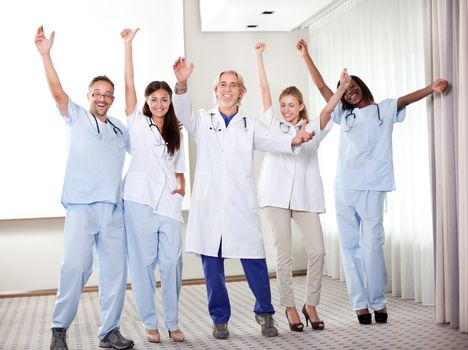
<point>357,94</point>
<point>353,94</point>
<point>228,91</point>
<point>159,102</point>
<point>100,97</point>
<point>290,108</point>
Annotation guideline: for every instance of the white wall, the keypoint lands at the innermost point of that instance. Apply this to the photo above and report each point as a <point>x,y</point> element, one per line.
<point>31,250</point>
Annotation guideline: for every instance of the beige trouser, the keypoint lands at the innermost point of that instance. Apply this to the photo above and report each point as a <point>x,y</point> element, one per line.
<point>309,225</point>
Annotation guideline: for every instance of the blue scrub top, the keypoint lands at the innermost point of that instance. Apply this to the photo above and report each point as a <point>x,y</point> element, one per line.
<point>95,160</point>
<point>365,160</point>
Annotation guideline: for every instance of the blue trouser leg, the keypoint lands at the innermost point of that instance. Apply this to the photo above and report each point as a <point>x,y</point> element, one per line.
<point>170,268</point>
<point>77,265</point>
<point>142,249</point>
<point>360,227</point>
<point>100,225</point>
<point>372,241</point>
<point>218,298</point>
<point>154,240</point>
<point>256,272</point>
<point>112,267</point>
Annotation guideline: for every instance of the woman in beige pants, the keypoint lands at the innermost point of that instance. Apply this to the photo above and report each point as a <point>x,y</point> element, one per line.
<point>290,188</point>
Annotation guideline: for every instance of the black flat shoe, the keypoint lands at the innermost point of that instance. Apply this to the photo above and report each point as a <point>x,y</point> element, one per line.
<point>364,318</point>
<point>381,316</point>
<point>316,325</point>
<point>295,327</point>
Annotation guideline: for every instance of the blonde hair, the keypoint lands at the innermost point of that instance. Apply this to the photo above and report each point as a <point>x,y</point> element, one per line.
<point>294,91</point>
<point>240,82</point>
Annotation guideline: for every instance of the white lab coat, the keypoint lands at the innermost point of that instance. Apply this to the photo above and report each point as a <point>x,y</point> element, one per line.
<point>224,202</point>
<point>293,181</point>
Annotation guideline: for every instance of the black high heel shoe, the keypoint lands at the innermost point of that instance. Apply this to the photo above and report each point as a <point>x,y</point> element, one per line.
<point>364,318</point>
<point>295,327</point>
<point>316,325</point>
<point>381,316</point>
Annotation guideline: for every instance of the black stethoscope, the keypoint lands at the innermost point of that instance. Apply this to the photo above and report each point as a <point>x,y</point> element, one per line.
<point>159,141</point>
<point>114,127</point>
<point>217,128</point>
<point>351,124</point>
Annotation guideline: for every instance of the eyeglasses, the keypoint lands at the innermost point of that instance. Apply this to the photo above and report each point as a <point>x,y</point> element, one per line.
<point>98,94</point>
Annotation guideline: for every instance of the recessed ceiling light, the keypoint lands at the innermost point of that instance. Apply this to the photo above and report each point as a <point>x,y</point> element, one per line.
<point>252,26</point>
<point>268,12</point>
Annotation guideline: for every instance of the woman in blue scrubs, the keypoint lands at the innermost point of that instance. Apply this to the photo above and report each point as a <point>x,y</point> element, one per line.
<point>364,176</point>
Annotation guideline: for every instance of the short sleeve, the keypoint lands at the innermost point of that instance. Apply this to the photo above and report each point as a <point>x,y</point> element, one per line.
<point>75,112</point>
<point>337,114</point>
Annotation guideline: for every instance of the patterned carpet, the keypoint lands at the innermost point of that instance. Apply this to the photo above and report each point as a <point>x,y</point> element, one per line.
<point>25,322</point>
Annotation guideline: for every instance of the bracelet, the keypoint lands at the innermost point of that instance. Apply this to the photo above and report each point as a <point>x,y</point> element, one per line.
<point>181,88</point>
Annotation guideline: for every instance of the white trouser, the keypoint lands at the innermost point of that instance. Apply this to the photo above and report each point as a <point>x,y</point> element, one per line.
<point>87,226</point>
<point>152,240</point>
<point>359,216</point>
<point>309,225</point>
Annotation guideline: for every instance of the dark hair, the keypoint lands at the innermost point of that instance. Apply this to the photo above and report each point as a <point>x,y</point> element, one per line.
<point>366,94</point>
<point>170,131</point>
<point>99,78</point>
<point>294,91</point>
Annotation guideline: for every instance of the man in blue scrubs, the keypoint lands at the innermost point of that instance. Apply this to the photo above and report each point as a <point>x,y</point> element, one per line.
<point>92,197</point>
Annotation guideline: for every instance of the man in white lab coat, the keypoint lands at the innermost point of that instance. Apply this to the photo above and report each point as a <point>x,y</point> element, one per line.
<point>223,221</point>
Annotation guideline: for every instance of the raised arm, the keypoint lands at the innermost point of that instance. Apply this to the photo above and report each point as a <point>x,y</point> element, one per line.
<point>44,45</point>
<point>326,112</point>
<point>439,86</point>
<point>130,93</point>
<point>326,92</point>
<point>182,72</point>
<point>262,78</point>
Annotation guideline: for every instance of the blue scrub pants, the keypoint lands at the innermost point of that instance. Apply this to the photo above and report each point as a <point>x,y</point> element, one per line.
<point>92,229</point>
<point>359,216</point>
<point>154,239</point>
<point>256,272</point>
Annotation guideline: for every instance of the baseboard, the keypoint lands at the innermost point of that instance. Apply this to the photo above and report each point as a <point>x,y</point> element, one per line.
<point>90,289</point>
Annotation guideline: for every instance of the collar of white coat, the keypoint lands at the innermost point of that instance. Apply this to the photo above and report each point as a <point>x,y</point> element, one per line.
<point>216,117</point>
<point>296,126</point>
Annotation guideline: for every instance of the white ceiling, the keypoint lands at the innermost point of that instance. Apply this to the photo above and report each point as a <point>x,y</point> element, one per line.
<point>237,15</point>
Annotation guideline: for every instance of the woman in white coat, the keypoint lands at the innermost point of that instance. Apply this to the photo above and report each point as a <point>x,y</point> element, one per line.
<point>297,195</point>
<point>153,190</point>
<point>364,175</point>
<point>223,221</point>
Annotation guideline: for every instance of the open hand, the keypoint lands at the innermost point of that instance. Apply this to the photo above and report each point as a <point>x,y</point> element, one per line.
<point>42,43</point>
<point>302,136</point>
<point>182,71</point>
<point>128,34</point>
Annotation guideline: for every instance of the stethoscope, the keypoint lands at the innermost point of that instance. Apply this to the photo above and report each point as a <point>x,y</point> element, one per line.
<point>159,141</point>
<point>351,124</point>
<point>286,128</point>
<point>217,128</point>
<point>114,127</point>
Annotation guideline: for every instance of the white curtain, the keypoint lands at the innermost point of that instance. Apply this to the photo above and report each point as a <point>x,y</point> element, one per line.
<point>382,42</point>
